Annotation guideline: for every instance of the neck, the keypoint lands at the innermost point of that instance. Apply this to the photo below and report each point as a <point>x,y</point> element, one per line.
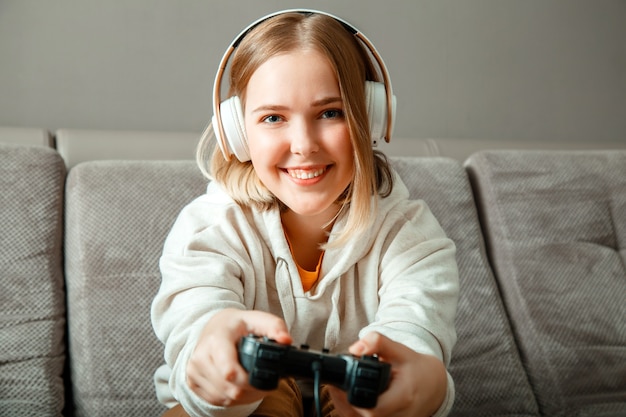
<point>306,234</point>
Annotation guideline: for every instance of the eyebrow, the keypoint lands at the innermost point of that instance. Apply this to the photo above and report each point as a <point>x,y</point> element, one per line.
<point>317,103</point>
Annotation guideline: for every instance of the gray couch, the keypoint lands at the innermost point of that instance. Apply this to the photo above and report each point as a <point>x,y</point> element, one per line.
<point>541,239</point>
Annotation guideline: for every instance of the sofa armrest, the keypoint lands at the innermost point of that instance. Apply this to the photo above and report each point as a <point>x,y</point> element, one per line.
<point>32,298</point>
<point>555,224</point>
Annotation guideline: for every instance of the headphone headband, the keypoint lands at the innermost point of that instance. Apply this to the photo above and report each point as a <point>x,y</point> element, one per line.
<point>235,43</point>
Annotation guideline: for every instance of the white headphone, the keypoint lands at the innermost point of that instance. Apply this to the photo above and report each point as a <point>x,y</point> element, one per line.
<point>228,120</point>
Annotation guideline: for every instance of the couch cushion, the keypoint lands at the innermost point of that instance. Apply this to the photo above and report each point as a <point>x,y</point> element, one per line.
<point>32,325</point>
<point>555,224</point>
<point>486,367</point>
<point>118,215</point>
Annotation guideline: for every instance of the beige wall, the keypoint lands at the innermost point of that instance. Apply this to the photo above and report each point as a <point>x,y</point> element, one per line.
<point>497,69</point>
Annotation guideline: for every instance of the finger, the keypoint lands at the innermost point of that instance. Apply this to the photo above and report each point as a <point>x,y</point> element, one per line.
<point>216,358</point>
<point>375,343</point>
<point>225,357</point>
<point>227,373</point>
<point>219,391</point>
<point>212,396</point>
<point>200,382</point>
<point>265,324</point>
<point>340,402</point>
<point>217,372</point>
<point>372,343</point>
<point>218,343</point>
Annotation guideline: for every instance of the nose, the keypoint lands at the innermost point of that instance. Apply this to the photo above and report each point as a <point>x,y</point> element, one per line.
<point>304,139</point>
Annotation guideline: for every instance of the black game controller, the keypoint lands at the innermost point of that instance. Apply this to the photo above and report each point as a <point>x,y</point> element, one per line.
<point>267,361</point>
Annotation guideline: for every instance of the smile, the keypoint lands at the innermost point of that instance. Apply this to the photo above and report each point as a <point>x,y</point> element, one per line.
<point>305,174</point>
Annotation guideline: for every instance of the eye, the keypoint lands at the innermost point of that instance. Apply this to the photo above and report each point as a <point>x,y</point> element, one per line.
<point>332,114</point>
<point>272,118</point>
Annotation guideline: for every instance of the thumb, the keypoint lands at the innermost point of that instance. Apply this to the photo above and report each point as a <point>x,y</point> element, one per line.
<point>375,343</point>
<point>265,324</point>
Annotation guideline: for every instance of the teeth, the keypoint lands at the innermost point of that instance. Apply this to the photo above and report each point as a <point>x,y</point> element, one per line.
<point>306,175</point>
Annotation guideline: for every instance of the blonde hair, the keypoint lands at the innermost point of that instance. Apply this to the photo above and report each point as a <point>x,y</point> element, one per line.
<point>286,33</point>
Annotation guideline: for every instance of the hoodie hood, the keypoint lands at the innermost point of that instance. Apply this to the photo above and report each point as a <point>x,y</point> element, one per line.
<point>336,260</point>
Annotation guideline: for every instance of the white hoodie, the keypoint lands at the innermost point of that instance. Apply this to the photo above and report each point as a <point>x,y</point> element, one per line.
<point>400,280</point>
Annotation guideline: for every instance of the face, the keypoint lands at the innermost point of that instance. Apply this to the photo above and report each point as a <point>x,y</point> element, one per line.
<point>297,134</point>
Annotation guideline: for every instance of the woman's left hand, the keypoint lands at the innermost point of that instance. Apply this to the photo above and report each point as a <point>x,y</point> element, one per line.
<point>417,387</point>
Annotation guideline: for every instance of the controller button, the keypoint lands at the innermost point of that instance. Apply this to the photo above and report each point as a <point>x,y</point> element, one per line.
<point>367,373</point>
<point>364,397</point>
<point>268,354</point>
<point>264,374</point>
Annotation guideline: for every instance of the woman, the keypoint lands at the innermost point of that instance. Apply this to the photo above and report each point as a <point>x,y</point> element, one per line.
<point>306,236</point>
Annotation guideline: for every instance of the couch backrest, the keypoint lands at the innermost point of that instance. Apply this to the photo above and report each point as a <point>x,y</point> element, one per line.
<point>76,145</point>
<point>555,224</point>
<point>463,148</point>
<point>32,310</point>
<point>26,136</point>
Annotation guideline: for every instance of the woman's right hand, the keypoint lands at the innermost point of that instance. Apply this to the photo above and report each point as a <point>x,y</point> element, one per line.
<point>213,370</point>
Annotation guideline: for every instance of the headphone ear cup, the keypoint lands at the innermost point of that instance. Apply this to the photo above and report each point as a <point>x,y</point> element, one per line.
<point>376,101</point>
<point>234,129</point>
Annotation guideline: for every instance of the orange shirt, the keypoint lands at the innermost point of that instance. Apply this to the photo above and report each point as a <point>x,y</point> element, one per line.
<point>308,278</point>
